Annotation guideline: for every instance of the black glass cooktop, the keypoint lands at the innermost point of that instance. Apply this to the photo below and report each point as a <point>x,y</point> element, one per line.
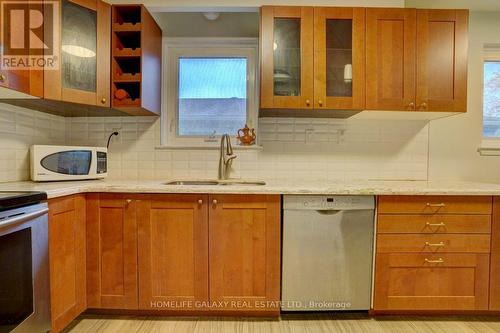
<point>9,200</point>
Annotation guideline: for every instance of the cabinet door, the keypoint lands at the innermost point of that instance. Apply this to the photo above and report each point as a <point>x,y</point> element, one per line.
<point>67,259</point>
<point>27,81</point>
<point>431,282</point>
<point>111,251</point>
<point>339,58</point>
<point>390,59</point>
<point>442,60</point>
<point>173,251</point>
<point>286,57</point>
<point>85,38</point>
<point>244,252</point>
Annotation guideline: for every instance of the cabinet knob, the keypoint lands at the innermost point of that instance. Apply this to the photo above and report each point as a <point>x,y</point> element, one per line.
<point>200,202</point>
<point>320,102</point>
<point>2,77</point>
<point>411,106</point>
<point>308,102</point>
<point>423,106</point>
<point>103,100</point>
<point>128,201</point>
<point>214,202</point>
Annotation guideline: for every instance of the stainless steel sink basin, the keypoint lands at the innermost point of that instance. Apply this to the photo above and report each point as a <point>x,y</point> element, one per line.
<point>215,182</point>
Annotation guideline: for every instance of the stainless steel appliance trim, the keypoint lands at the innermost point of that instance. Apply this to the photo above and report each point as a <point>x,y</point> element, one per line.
<point>22,218</point>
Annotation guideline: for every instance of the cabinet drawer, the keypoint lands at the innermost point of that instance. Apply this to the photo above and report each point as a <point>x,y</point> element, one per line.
<point>434,224</point>
<point>433,243</point>
<point>401,204</point>
<point>448,282</point>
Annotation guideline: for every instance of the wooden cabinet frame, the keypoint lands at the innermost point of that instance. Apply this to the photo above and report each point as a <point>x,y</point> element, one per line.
<point>267,97</point>
<point>53,88</point>
<point>448,73</point>
<point>381,95</point>
<point>357,101</point>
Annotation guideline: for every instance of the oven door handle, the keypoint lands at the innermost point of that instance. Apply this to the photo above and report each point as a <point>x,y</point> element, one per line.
<point>22,218</point>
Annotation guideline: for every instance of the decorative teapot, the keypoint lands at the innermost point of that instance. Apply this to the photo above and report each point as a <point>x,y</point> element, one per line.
<point>246,136</point>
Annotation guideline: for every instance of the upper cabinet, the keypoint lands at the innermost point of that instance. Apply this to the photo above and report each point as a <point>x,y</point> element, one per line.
<point>416,60</point>
<point>376,59</point>
<point>390,59</point>
<point>84,73</point>
<point>136,67</point>
<point>339,58</point>
<point>287,57</point>
<point>442,44</point>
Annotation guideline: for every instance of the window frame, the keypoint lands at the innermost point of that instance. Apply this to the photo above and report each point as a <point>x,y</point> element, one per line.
<point>175,48</point>
<point>489,55</point>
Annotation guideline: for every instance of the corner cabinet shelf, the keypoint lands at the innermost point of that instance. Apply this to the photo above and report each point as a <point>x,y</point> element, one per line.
<point>136,61</point>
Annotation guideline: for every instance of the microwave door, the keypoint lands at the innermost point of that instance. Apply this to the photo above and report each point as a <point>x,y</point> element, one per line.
<point>71,162</point>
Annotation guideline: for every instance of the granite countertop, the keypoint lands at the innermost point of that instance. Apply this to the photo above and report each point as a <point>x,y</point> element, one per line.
<point>59,189</point>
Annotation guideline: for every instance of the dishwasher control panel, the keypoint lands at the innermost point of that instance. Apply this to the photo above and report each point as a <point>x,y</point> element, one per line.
<point>323,202</point>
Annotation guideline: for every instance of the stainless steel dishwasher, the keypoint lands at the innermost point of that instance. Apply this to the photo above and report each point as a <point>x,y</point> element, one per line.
<point>327,252</point>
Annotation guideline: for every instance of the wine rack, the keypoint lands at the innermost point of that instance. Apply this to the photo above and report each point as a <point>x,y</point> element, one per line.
<point>136,84</point>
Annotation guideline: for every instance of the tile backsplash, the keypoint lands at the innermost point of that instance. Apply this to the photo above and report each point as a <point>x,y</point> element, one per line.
<point>19,129</point>
<point>293,149</point>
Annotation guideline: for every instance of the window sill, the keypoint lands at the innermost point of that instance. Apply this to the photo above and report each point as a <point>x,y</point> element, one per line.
<point>215,147</point>
<point>489,148</point>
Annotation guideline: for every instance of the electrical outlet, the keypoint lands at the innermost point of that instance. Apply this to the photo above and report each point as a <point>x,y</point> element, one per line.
<point>309,135</point>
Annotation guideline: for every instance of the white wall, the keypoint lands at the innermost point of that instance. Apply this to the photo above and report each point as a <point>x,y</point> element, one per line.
<point>454,141</point>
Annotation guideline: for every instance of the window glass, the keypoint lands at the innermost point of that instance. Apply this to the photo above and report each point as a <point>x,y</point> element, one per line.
<point>212,96</point>
<point>491,99</point>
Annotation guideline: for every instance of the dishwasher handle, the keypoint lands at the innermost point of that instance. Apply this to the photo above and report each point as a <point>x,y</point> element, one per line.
<point>23,217</point>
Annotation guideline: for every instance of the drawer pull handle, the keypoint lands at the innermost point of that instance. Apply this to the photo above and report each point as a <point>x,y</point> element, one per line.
<point>440,244</point>
<point>441,224</point>
<point>436,204</point>
<point>437,261</point>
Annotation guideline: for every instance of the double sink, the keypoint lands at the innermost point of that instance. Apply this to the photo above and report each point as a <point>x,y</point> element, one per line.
<point>215,182</point>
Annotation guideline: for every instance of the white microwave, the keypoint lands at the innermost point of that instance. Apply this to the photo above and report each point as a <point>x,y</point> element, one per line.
<point>52,163</point>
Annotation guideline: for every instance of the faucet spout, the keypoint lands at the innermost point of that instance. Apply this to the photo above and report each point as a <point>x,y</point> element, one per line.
<point>226,157</point>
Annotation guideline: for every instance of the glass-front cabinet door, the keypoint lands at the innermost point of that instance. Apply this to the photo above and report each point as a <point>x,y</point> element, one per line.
<point>84,72</point>
<point>287,57</point>
<point>339,58</point>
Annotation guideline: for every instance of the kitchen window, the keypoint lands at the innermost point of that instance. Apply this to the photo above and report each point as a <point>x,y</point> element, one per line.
<point>210,89</point>
<point>491,97</point>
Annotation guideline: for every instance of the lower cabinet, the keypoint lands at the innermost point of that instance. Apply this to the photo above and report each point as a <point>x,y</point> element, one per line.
<point>67,259</point>
<point>112,251</point>
<point>167,252</point>
<point>432,281</point>
<point>173,252</point>
<point>433,253</point>
<point>245,252</point>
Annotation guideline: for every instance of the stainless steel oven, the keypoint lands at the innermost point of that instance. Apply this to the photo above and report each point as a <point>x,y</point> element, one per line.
<point>24,267</point>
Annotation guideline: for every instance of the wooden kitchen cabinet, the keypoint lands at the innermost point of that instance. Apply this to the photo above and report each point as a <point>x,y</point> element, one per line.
<point>433,253</point>
<point>416,59</point>
<point>27,81</point>
<point>244,253</point>
<point>431,281</point>
<point>390,58</point>
<point>112,251</point>
<point>84,73</point>
<point>495,257</point>
<point>67,258</point>
<point>286,46</point>
<point>339,58</point>
<point>442,44</point>
<point>173,251</point>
